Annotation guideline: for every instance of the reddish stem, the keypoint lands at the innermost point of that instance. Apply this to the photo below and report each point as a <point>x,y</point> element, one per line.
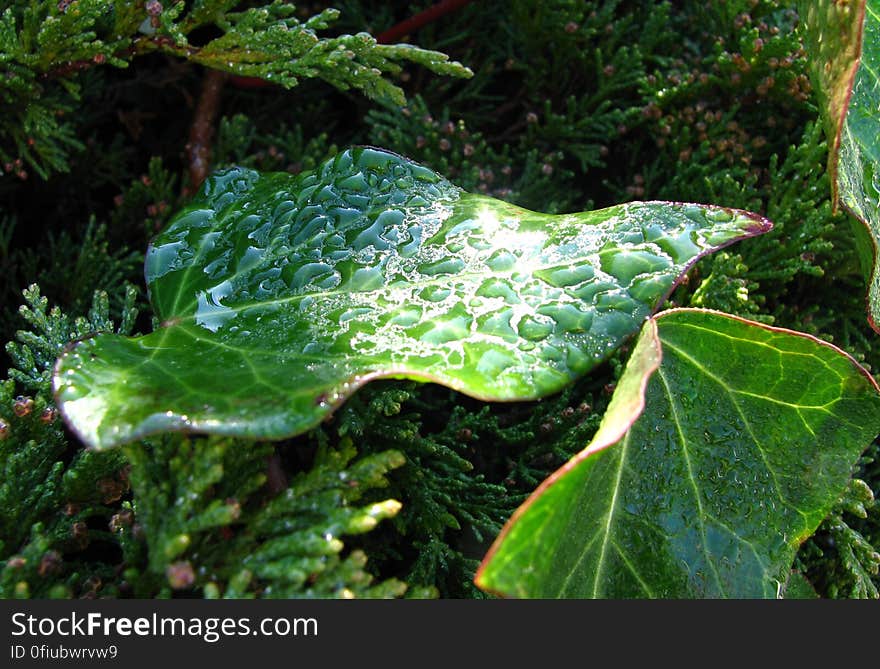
<point>201,132</point>
<point>413,23</point>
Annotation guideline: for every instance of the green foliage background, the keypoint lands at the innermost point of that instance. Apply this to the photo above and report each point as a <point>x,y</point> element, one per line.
<point>572,105</point>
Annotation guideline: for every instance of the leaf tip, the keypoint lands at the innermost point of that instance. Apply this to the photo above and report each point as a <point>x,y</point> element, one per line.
<point>628,401</point>
<point>61,387</point>
<point>759,225</point>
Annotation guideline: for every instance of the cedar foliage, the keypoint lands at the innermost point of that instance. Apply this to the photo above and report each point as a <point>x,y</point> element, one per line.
<point>572,105</point>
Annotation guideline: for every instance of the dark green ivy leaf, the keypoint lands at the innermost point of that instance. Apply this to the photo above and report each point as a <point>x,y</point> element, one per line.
<point>726,443</point>
<point>843,41</point>
<point>280,295</point>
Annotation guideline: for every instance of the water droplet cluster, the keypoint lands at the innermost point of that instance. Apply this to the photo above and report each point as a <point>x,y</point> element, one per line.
<point>289,288</point>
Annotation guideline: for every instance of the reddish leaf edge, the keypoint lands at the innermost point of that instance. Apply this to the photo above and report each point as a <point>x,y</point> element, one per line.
<point>607,436</point>
<point>773,328</point>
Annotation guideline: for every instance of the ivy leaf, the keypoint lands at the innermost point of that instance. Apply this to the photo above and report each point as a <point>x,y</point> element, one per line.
<point>280,295</point>
<point>707,472</point>
<point>843,40</point>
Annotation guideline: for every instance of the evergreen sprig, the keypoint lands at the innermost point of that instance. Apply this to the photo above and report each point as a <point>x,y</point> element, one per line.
<point>209,526</point>
<point>44,44</point>
<point>55,498</point>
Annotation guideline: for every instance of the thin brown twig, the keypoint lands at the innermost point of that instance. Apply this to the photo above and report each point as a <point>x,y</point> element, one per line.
<point>413,23</point>
<point>201,132</point>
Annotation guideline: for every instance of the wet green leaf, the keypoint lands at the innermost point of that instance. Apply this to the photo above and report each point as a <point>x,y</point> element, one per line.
<point>280,295</point>
<point>707,472</point>
<point>843,41</point>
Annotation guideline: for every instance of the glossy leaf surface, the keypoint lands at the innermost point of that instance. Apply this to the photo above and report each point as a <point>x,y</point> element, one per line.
<point>707,472</point>
<point>279,295</point>
<point>843,41</point>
